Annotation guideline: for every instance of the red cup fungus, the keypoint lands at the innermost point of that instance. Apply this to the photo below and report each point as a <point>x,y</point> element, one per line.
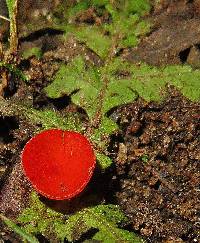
<point>58,163</point>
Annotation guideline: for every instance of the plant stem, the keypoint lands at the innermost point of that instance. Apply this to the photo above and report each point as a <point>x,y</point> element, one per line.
<point>96,121</point>
<point>5,18</point>
<point>13,29</point>
<point>4,82</point>
<point>1,51</point>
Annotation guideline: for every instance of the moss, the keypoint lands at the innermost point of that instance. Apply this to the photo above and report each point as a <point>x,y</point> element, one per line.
<point>105,218</point>
<point>35,51</point>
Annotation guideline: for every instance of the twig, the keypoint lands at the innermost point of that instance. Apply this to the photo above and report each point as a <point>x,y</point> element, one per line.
<point>13,29</point>
<point>4,83</point>
<point>5,18</point>
<point>1,51</point>
<point>98,114</point>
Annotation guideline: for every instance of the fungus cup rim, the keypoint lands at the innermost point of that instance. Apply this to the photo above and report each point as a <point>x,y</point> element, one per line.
<point>68,195</point>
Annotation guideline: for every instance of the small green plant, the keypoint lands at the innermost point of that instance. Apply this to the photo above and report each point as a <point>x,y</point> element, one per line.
<point>106,219</point>
<point>8,58</point>
<point>14,70</point>
<point>20,231</point>
<point>144,158</point>
<point>51,119</point>
<point>122,28</point>
<point>34,51</point>
<point>92,84</point>
<point>108,85</point>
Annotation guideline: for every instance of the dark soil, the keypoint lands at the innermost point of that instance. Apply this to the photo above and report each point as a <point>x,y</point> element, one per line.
<point>157,168</point>
<point>174,38</point>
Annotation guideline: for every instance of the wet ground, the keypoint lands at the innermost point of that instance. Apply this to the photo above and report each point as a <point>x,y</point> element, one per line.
<point>157,168</point>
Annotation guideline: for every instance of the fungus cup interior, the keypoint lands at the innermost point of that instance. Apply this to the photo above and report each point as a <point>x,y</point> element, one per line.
<point>58,163</point>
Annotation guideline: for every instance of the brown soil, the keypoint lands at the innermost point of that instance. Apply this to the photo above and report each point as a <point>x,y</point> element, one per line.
<point>160,175</point>
<point>174,38</point>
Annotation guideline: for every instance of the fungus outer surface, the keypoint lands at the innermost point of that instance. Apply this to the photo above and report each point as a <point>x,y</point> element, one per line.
<point>58,163</point>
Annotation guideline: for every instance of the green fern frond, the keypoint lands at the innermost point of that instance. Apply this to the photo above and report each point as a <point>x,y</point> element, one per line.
<point>94,38</point>
<point>20,231</point>
<point>122,30</point>
<point>14,70</point>
<point>51,119</point>
<point>105,218</point>
<point>88,82</point>
<point>124,83</point>
<point>137,6</point>
<point>105,161</point>
<point>40,219</point>
<point>141,79</point>
<point>10,5</point>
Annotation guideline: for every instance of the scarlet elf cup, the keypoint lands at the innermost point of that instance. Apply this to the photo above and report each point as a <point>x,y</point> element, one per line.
<point>58,163</point>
